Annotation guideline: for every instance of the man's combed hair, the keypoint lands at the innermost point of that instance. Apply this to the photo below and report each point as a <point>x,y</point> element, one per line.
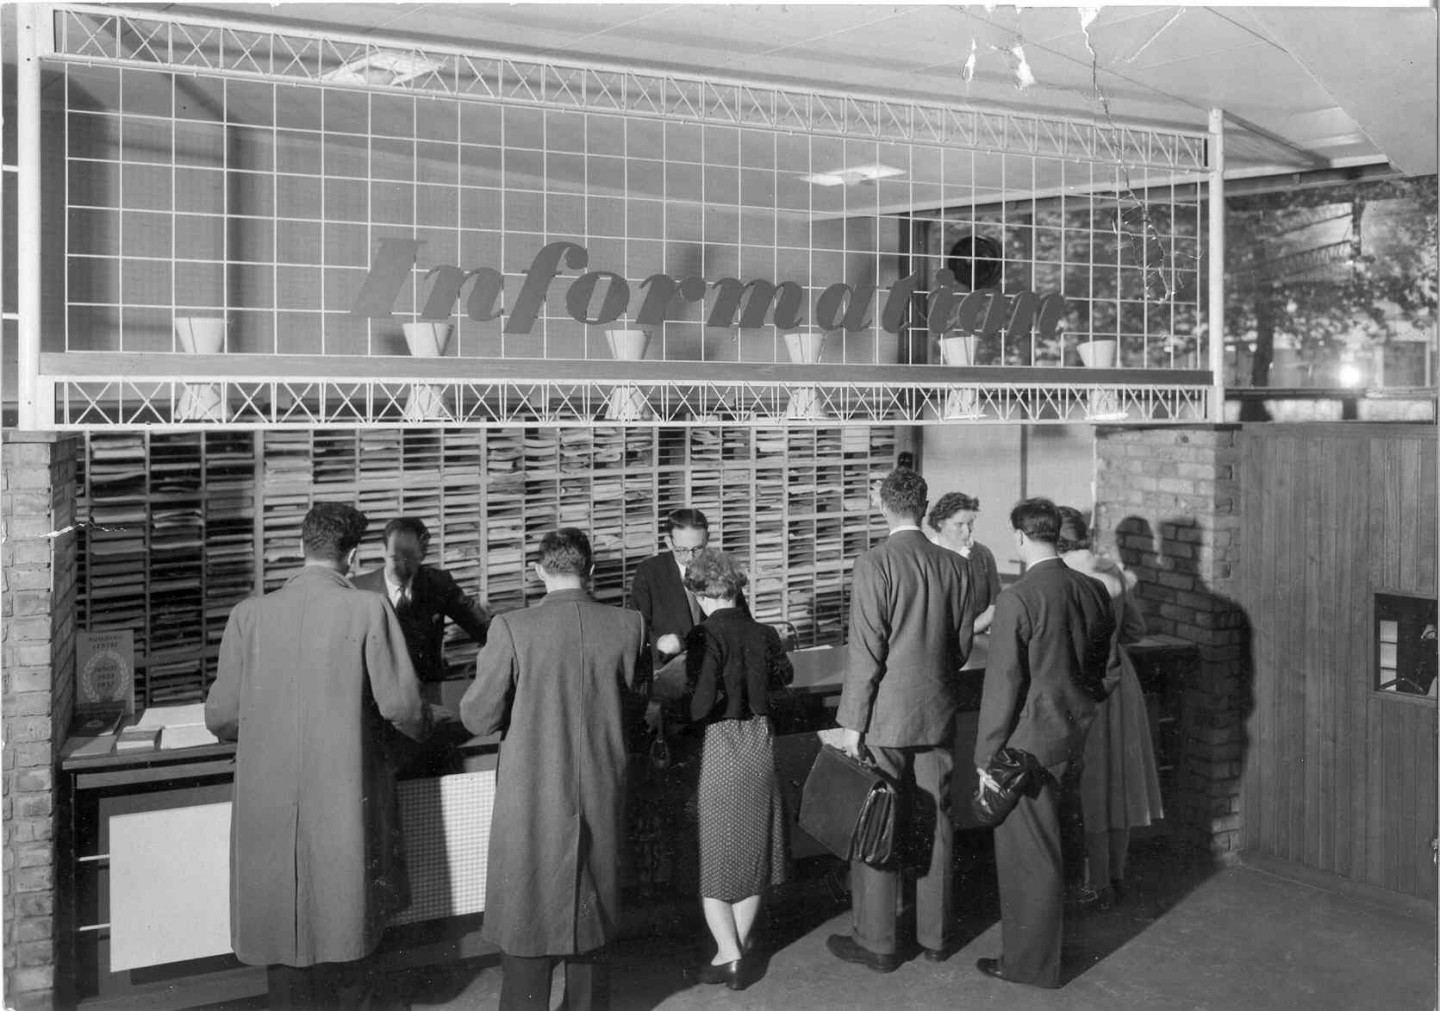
<point>408,525</point>
<point>332,530</point>
<point>904,493</point>
<point>949,504</point>
<point>1038,519</point>
<point>686,519</point>
<point>566,552</point>
<point>715,573</point>
<point>1074,531</point>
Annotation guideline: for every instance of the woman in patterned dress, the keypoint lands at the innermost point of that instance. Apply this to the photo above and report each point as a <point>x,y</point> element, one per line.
<point>1119,784</point>
<point>732,664</point>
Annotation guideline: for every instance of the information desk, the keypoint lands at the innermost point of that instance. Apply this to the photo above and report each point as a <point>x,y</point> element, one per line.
<point>144,900</point>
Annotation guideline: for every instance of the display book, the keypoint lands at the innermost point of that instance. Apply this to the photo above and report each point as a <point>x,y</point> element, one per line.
<point>99,730</point>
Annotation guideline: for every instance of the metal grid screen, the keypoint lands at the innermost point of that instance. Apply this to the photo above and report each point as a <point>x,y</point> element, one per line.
<point>219,171</point>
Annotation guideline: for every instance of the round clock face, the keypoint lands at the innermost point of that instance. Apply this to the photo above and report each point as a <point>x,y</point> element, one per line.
<point>975,261</point>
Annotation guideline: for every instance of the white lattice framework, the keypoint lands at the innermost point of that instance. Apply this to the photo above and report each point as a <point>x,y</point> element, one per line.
<point>1009,157</point>
<point>100,403</point>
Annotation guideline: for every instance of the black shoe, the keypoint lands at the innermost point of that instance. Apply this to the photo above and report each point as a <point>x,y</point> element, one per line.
<point>847,949</point>
<point>991,967</point>
<point>726,972</point>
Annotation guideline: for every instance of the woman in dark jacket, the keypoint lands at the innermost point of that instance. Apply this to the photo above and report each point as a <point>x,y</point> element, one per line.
<point>732,664</point>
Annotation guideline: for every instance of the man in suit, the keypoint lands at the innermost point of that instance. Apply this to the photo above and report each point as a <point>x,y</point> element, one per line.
<point>423,597</point>
<point>670,610</point>
<point>312,678</point>
<point>1049,650</point>
<point>563,681</point>
<point>910,633</point>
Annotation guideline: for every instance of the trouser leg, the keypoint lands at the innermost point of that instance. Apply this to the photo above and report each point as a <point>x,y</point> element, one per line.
<point>1097,859</point>
<point>1029,865</point>
<point>1119,853</point>
<point>1072,827</point>
<point>525,985</point>
<point>587,983</point>
<point>874,890</point>
<point>934,885</point>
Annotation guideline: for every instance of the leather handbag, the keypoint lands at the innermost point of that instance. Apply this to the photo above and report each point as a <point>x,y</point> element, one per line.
<point>849,808</point>
<point>1017,774</point>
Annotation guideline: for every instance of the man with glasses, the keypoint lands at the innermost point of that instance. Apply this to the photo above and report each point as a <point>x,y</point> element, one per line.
<point>670,610</point>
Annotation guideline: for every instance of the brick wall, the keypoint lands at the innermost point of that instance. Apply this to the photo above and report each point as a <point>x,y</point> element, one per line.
<point>1168,504</point>
<point>37,486</point>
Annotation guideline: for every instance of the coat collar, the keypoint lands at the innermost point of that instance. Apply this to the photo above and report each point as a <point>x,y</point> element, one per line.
<point>558,596</point>
<point>321,573</point>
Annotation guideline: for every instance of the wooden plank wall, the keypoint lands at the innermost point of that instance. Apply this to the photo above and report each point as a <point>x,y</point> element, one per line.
<point>1338,777</point>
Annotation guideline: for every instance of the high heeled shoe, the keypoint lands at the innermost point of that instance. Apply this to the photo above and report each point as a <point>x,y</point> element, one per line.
<point>729,973</point>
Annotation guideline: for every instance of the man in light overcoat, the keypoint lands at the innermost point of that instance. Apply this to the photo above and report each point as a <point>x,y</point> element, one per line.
<point>564,681</point>
<point>312,679</point>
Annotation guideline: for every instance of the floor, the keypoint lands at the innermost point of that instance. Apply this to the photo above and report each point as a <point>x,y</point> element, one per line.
<point>1184,938</point>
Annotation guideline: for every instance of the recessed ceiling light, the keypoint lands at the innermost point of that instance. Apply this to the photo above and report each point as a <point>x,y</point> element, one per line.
<point>851,176</point>
<point>382,68</point>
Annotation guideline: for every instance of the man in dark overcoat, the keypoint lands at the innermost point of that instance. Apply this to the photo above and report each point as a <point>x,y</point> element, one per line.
<point>312,678</point>
<point>1049,650</point>
<point>911,621</point>
<point>564,681</point>
<point>423,597</point>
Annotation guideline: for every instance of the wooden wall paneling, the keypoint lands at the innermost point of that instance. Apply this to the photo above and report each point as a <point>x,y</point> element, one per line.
<point>1252,575</point>
<point>1349,589</point>
<point>1313,667</point>
<point>1331,551</point>
<point>1268,617</point>
<point>1392,730</point>
<point>1298,635</point>
<point>1394,512</point>
<point>1427,800</point>
<point>1374,793</point>
<point>1407,453</point>
<point>1410,742</point>
<point>1427,546</point>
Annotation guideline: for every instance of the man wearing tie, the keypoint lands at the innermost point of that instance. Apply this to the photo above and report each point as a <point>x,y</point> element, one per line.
<point>423,597</point>
<point>670,610</point>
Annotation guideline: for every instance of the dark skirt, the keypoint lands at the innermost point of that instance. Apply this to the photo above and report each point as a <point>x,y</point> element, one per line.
<point>738,819</point>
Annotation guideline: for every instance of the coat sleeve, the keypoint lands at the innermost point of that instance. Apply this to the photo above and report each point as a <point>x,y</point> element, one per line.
<point>702,672</point>
<point>462,609</point>
<point>1006,674</point>
<point>1131,618</point>
<point>485,707</point>
<point>869,645</point>
<point>782,671</point>
<point>393,682</point>
<point>222,705</point>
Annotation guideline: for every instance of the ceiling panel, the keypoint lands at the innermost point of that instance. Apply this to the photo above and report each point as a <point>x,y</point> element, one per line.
<point>1154,66</point>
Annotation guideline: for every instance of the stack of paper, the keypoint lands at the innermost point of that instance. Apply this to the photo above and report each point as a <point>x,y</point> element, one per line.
<point>182,726</point>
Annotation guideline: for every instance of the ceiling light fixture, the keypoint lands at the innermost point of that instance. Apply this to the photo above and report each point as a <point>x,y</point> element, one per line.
<point>382,68</point>
<point>851,176</point>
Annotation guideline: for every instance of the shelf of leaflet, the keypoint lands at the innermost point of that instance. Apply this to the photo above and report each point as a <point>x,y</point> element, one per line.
<point>157,799</point>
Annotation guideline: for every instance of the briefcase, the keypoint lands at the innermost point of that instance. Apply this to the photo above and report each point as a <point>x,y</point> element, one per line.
<point>849,808</point>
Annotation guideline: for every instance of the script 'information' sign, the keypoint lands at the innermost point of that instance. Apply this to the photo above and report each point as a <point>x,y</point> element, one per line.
<point>105,662</point>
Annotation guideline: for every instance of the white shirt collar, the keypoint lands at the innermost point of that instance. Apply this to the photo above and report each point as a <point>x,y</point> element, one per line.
<point>394,589</point>
<point>904,526</point>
